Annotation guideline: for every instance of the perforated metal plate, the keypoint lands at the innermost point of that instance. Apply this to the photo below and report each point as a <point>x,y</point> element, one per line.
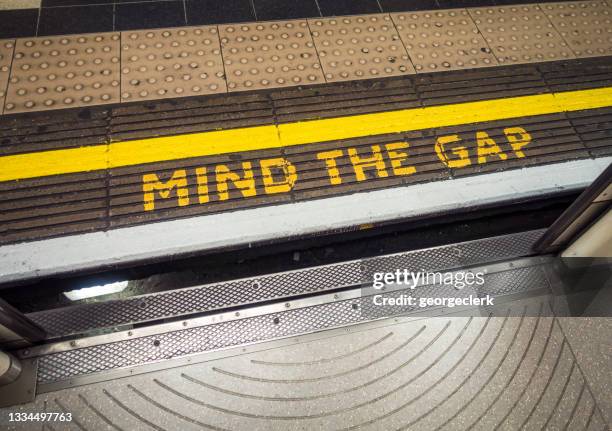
<point>359,47</point>
<point>586,26</point>
<point>443,40</point>
<point>520,34</point>
<point>55,367</point>
<point>455,255</point>
<point>273,54</point>
<point>6,57</point>
<point>80,318</point>
<point>157,64</point>
<point>64,72</point>
<point>198,299</point>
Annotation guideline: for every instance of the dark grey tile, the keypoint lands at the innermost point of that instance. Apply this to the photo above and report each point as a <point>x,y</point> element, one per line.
<point>285,9</point>
<point>408,5</point>
<point>75,19</point>
<point>452,4</point>
<point>18,23</point>
<point>348,7</point>
<point>218,11</point>
<point>142,15</point>
<point>510,2</point>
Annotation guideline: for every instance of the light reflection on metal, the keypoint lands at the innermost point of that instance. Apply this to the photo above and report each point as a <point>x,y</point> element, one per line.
<point>93,291</point>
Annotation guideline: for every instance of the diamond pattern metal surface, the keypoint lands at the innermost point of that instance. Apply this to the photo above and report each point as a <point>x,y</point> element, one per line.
<point>143,350</point>
<point>455,255</point>
<point>139,351</point>
<point>78,319</point>
<point>359,47</point>
<point>266,55</point>
<point>158,64</point>
<point>199,299</point>
<point>508,282</point>
<point>64,72</point>
<point>6,57</point>
<point>443,40</point>
<point>520,34</point>
<point>586,26</point>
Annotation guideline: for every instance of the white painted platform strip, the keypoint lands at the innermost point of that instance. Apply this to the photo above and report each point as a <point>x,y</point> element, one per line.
<point>241,228</point>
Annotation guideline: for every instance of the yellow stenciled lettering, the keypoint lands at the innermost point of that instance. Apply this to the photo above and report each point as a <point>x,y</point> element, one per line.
<point>517,138</point>
<point>331,165</point>
<point>361,163</point>
<point>245,184</point>
<point>202,180</point>
<point>290,175</point>
<point>397,157</point>
<point>151,184</point>
<point>488,147</point>
<point>463,156</point>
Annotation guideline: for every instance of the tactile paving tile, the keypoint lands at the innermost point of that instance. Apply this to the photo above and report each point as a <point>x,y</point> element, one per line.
<point>586,26</point>
<point>64,72</point>
<point>443,40</point>
<point>6,56</point>
<point>359,47</point>
<point>158,64</point>
<point>267,55</point>
<point>520,34</point>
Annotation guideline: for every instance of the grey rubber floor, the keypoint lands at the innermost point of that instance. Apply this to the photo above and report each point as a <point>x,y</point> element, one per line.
<point>443,373</point>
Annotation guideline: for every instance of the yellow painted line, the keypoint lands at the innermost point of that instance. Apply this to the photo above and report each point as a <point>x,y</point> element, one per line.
<point>136,152</point>
<point>192,145</point>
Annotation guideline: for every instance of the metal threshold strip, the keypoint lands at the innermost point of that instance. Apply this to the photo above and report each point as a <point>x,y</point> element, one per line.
<point>176,304</point>
<point>339,295</point>
<point>91,359</point>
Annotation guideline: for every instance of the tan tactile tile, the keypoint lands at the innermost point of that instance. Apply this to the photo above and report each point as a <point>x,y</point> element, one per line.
<point>586,26</point>
<point>443,40</point>
<point>269,55</point>
<point>157,64</point>
<point>64,72</point>
<point>520,34</point>
<point>359,47</point>
<point>19,4</point>
<point>6,56</point>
